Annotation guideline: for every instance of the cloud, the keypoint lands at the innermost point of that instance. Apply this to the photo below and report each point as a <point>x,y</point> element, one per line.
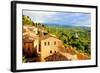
<point>39,16</point>
<point>61,18</point>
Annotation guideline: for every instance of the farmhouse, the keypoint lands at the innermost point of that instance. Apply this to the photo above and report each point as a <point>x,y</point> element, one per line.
<point>49,46</point>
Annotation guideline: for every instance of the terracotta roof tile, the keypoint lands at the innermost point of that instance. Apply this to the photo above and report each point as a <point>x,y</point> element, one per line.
<point>56,57</point>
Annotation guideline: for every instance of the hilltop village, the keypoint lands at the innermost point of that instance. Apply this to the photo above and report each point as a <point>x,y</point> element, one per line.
<point>39,45</point>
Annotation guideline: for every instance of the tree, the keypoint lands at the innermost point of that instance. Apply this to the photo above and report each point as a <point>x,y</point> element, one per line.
<point>27,20</point>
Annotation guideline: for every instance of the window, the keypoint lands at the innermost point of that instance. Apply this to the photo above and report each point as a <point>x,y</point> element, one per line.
<point>48,43</point>
<point>55,43</point>
<point>45,43</point>
<point>55,51</point>
<point>50,51</point>
<point>45,33</point>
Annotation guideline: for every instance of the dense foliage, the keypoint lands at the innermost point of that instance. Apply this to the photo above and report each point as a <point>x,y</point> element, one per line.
<point>78,37</point>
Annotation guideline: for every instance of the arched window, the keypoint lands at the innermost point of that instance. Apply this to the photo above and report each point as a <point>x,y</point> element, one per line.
<point>45,43</point>
<point>48,43</point>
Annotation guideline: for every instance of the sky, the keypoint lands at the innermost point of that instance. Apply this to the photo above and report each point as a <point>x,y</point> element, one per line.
<point>60,18</point>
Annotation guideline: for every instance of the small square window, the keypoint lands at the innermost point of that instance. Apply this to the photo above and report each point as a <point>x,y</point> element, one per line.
<point>50,51</point>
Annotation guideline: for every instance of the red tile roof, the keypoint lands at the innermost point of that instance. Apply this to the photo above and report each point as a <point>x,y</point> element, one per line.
<point>56,57</point>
